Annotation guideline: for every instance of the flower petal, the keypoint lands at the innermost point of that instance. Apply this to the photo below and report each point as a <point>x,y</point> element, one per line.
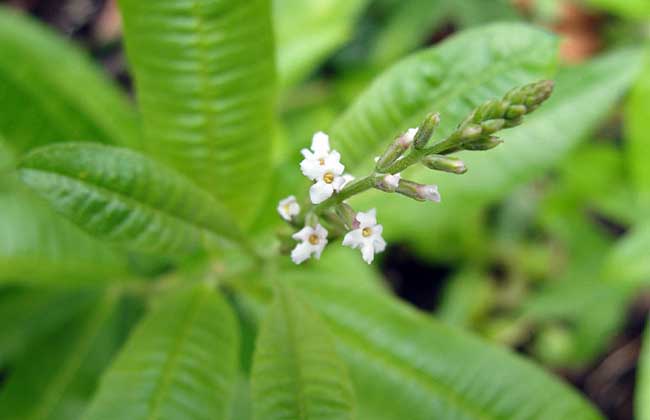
<point>367,219</point>
<point>367,253</point>
<point>353,238</point>
<point>320,143</point>
<point>320,192</point>
<point>303,234</point>
<point>301,252</point>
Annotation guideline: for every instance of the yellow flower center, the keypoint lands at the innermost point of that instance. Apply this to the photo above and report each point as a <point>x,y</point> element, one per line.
<point>366,232</point>
<point>328,177</point>
<point>321,161</point>
<point>314,239</point>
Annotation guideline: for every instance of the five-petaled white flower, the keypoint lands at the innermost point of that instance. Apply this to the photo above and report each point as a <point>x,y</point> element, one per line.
<point>323,166</point>
<point>313,241</point>
<point>366,236</point>
<point>288,208</point>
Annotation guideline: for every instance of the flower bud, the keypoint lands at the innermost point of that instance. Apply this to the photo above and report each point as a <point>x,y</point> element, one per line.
<point>396,149</point>
<point>492,126</point>
<point>486,143</point>
<point>516,111</point>
<point>387,182</point>
<point>425,131</point>
<point>449,164</point>
<point>311,219</point>
<point>418,192</point>
<point>347,214</point>
<point>470,133</point>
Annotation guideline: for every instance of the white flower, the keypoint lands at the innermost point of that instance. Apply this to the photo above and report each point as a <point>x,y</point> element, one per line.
<point>392,181</point>
<point>320,159</point>
<point>288,208</point>
<point>429,193</point>
<point>367,236</point>
<point>325,186</point>
<point>313,241</point>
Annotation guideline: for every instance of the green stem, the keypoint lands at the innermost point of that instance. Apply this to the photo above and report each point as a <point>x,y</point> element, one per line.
<point>368,182</point>
<point>354,188</point>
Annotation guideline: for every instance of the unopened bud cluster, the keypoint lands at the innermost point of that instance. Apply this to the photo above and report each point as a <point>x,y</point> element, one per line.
<point>332,186</point>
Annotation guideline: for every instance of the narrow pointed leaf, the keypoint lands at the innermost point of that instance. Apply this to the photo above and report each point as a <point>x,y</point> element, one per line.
<point>297,374</point>
<point>204,73</point>
<point>179,363</point>
<point>42,103</point>
<point>402,361</point>
<point>126,198</point>
<point>56,378</point>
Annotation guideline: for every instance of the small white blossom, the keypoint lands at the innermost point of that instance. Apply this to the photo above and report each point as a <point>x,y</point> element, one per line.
<point>429,193</point>
<point>367,236</point>
<point>320,159</point>
<point>392,181</point>
<point>312,242</point>
<point>288,208</point>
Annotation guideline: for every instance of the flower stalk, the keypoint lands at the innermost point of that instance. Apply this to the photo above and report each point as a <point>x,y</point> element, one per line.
<point>332,187</point>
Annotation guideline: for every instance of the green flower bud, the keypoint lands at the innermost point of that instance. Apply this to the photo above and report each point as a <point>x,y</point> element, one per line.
<point>470,133</point>
<point>395,150</point>
<point>492,126</point>
<point>425,131</point>
<point>449,164</point>
<point>516,111</point>
<point>486,143</point>
<point>418,192</point>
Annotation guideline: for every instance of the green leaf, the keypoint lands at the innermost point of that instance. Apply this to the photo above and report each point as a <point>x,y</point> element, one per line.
<point>637,130</point>
<point>402,361</point>
<point>296,371</point>
<point>56,377</point>
<point>642,397</point>
<point>582,98</point>
<point>451,78</point>
<point>42,103</point>
<point>629,260</point>
<point>633,9</point>
<point>416,20</point>
<point>179,363</point>
<point>27,315</point>
<point>204,73</point>
<point>38,246</point>
<point>126,198</point>
<point>468,296</point>
<point>307,32</point>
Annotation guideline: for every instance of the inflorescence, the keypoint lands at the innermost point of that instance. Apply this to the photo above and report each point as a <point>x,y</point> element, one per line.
<point>332,187</point>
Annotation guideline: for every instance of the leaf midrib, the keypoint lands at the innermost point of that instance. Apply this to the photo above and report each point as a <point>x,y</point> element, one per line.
<point>169,368</point>
<point>295,356</point>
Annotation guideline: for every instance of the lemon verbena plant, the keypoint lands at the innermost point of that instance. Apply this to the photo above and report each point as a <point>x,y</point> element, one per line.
<point>148,242</point>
